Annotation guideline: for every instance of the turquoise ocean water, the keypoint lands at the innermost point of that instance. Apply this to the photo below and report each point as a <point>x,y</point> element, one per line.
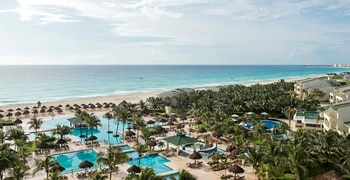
<point>28,84</point>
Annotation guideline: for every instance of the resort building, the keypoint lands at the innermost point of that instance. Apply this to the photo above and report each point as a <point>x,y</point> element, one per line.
<point>308,120</point>
<point>302,87</point>
<point>337,117</point>
<point>339,94</point>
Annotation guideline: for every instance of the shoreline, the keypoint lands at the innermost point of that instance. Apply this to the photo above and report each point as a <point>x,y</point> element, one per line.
<point>135,97</point>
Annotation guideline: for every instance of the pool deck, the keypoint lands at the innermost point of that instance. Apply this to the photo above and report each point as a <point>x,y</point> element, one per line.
<point>177,162</point>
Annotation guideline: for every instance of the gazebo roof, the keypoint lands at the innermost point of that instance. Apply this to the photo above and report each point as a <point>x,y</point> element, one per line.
<point>73,120</point>
<point>283,137</point>
<point>180,139</point>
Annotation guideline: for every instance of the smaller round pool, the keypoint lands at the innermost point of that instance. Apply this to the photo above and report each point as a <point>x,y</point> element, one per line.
<point>270,124</point>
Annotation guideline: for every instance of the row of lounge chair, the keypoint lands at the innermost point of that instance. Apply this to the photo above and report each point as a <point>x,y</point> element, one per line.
<point>89,144</point>
<point>197,164</point>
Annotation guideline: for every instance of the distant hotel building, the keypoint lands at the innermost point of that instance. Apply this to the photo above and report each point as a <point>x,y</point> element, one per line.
<point>341,65</point>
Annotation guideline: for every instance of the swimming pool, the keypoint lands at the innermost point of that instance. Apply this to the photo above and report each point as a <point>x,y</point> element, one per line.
<point>100,132</point>
<point>268,123</point>
<point>126,147</point>
<point>70,161</point>
<point>176,176</point>
<point>154,160</point>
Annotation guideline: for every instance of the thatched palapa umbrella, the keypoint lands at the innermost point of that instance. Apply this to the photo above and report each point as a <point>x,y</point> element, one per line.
<point>202,130</point>
<point>17,121</point>
<point>43,145</point>
<point>236,169</point>
<point>195,155</point>
<point>134,169</point>
<point>85,164</point>
<point>58,168</point>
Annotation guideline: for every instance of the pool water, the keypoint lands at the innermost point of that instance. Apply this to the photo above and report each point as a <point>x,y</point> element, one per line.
<point>126,147</point>
<point>70,161</point>
<point>133,154</point>
<point>269,124</point>
<point>100,132</point>
<point>176,176</point>
<point>156,161</point>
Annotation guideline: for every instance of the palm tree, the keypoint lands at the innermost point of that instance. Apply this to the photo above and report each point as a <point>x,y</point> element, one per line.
<point>99,176</point>
<point>45,164</point>
<point>55,175</point>
<point>289,113</point>
<point>112,158</point>
<point>109,116</point>
<point>185,175</point>
<point>19,171</point>
<point>123,115</point>
<point>35,123</point>
<point>2,137</point>
<point>7,159</point>
<point>93,121</point>
<point>146,174</point>
<point>254,156</point>
<point>81,115</point>
<point>140,149</point>
<point>62,130</point>
<point>161,144</point>
<point>298,159</point>
<point>15,135</point>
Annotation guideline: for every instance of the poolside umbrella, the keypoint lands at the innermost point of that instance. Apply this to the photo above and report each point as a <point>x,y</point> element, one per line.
<point>134,169</point>
<point>202,130</point>
<point>58,168</point>
<point>85,164</point>
<point>61,141</point>
<point>17,121</point>
<point>129,133</point>
<point>43,145</point>
<point>236,169</point>
<point>195,155</point>
<point>92,138</point>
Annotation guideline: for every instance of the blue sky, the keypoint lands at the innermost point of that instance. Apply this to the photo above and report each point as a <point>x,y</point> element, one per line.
<point>174,31</point>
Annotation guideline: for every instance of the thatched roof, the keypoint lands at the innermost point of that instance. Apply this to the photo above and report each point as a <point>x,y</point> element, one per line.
<point>330,175</point>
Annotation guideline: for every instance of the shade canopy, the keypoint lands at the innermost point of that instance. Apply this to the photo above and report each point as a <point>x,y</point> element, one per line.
<point>202,130</point>
<point>236,169</point>
<point>57,168</point>
<point>17,121</point>
<point>61,141</point>
<point>134,168</point>
<point>196,155</point>
<point>129,133</point>
<point>43,145</point>
<point>85,164</point>
<point>180,139</point>
<point>91,138</point>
